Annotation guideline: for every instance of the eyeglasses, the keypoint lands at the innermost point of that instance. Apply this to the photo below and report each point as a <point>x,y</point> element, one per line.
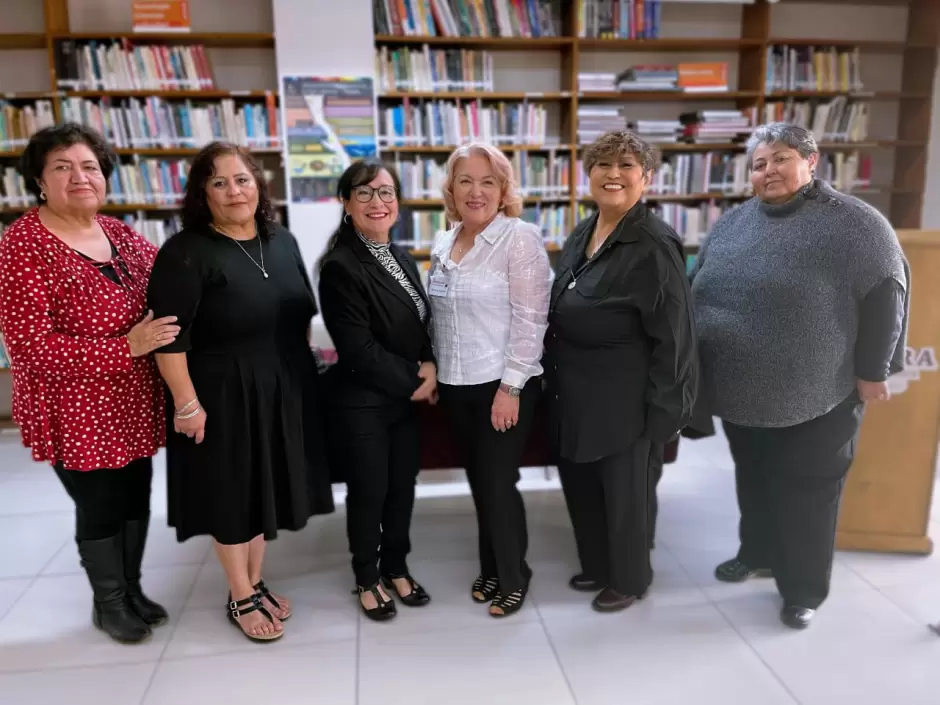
<point>386,193</point>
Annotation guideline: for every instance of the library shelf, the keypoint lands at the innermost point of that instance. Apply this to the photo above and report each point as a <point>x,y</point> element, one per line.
<point>851,95</point>
<point>447,149</point>
<point>690,44</point>
<point>533,96</point>
<point>666,96</point>
<point>28,40</point>
<point>211,40</point>
<point>875,46</point>
<point>173,95</point>
<point>482,43</point>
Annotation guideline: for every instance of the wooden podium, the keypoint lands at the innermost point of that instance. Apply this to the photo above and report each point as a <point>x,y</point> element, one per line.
<point>888,493</point>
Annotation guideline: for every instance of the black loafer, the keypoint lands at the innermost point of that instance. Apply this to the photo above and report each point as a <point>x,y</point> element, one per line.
<point>583,583</point>
<point>609,600</point>
<point>734,571</point>
<point>796,617</point>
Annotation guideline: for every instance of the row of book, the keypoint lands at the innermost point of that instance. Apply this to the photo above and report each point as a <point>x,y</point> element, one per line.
<point>701,126</point>
<point>468,18</point>
<point>18,124</point>
<point>695,77</point>
<point>836,120</point>
<point>441,122</point>
<point>619,19</point>
<point>120,66</point>
<point>817,69</point>
<point>428,70</point>
<point>536,176</point>
<point>155,123</point>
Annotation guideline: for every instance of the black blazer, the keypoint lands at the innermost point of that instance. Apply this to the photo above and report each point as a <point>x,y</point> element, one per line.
<point>379,338</point>
<point>621,357</point>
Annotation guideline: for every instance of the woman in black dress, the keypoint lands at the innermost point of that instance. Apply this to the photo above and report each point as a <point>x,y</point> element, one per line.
<point>247,458</point>
<point>377,313</point>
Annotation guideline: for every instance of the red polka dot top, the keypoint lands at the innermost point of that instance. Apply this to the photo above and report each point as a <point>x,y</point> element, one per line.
<point>78,395</point>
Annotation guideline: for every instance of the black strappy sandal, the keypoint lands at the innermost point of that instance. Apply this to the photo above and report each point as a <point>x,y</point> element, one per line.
<point>416,598</point>
<point>484,589</point>
<point>250,604</point>
<point>384,609</point>
<point>262,590</point>
<point>509,604</point>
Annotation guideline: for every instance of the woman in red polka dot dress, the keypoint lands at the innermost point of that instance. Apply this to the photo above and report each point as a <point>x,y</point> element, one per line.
<point>86,396</point>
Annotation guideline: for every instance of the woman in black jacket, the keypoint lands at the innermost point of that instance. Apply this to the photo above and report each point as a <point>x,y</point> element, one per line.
<point>377,314</point>
<point>622,368</point>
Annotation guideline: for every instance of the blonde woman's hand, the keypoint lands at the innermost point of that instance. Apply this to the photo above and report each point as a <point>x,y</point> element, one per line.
<point>505,411</point>
<point>870,392</point>
<point>428,389</point>
<point>150,334</point>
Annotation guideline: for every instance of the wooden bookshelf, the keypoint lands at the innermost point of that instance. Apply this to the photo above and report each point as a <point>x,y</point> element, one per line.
<point>913,96</point>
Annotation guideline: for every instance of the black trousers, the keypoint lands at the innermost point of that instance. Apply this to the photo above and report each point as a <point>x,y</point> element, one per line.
<point>492,459</point>
<point>381,456</point>
<point>657,460</point>
<point>105,499</point>
<point>608,502</point>
<point>789,485</point>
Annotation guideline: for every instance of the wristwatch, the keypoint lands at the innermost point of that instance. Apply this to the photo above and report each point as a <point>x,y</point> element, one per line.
<point>511,391</point>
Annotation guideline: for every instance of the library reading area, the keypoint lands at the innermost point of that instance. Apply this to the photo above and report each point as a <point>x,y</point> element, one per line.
<point>713,482</point>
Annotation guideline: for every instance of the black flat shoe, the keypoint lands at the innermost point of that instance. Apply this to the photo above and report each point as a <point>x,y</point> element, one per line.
<point>582,583</point>
<point>508,604</point>
<point>734,571</point>
<point>416,598</point>
<point>797,617</point>
<point>384,609</point>
<point>484,589</point>
<point>609,600</point>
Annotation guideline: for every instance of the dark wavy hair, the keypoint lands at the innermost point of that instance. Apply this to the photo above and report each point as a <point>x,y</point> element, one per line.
<point>33,160</point>
<point>196,213</point>
<point>358,173</point>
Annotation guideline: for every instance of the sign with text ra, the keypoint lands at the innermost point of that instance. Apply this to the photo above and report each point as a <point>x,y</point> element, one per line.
<point>916,362</point>
<point>161,15</point>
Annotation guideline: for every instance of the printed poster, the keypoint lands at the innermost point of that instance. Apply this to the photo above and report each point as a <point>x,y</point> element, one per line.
<point>330,123</point>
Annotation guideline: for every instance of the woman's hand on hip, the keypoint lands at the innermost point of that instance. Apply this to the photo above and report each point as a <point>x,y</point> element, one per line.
<point>428,389</point>
<point>505,412</point>
<point>150,334</point>
<point>872,391</point>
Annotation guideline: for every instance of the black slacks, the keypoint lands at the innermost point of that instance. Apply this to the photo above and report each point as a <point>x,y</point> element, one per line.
<point>789,486</point>
<point>657,461</point>
<point>381,455</point>
<point>608,501</point>
<point>105,499</point>
<point>491,459</point>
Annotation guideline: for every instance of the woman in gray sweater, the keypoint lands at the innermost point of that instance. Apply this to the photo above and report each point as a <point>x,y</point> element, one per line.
<point>800,299</point>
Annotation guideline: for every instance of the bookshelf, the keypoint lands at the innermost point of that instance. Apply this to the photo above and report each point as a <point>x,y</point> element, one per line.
<point>893,42</point>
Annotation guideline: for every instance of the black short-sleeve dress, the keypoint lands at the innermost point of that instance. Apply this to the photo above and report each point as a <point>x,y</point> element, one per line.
<point>262,465</point>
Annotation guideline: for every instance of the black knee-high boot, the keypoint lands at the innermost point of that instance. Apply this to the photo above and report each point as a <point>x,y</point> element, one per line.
<point>135,538</point>
<point>103,561</point>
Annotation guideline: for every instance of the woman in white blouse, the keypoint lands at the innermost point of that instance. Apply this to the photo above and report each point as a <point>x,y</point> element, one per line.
<point>490,281</point>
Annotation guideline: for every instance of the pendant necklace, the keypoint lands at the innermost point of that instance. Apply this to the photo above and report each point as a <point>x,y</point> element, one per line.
<point>260,250</point>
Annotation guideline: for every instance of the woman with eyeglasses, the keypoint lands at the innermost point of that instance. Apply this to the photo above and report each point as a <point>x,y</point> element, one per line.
<point>377,314</point>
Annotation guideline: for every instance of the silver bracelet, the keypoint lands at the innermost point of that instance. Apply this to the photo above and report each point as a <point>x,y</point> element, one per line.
<point>185,407</point>
<point>190,415</point>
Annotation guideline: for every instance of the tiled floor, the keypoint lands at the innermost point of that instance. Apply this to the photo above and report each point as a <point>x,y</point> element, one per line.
<point>693,642</point>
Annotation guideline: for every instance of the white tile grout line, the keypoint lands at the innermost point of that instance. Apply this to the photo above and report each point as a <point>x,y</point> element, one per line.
<point>886,596</point>
<point>32,581</point>
<point>714,603</point>
<point>551,645</point>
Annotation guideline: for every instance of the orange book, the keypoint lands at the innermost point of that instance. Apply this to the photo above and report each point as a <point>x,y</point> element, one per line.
<point>161,15</point>
<point>703,77</point>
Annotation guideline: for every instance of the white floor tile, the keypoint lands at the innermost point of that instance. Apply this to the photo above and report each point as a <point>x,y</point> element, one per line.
<point>105,685</point>
<point>50,626</point>
<point>667,656</point>
<point>11,590</point>
<point>30,541</point>
<point>306,675</point>
<point>505,665</point>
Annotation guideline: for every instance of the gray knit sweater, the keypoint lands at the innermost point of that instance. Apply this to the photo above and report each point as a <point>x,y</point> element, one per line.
<point>777,292</point>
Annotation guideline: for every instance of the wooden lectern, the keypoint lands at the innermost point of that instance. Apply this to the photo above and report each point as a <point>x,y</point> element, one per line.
<point>888,493</point>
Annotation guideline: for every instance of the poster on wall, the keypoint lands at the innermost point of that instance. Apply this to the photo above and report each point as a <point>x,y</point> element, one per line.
<point>330,123</point>
<point>160,16</point>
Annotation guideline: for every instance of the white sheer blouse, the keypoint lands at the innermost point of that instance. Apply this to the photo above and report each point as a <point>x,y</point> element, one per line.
<point>490,311</point>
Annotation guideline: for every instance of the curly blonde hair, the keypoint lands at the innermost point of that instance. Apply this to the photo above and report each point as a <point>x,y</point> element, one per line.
<point>510,201</point>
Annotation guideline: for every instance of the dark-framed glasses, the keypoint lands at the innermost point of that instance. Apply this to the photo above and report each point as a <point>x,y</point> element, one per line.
<point>364,194</point>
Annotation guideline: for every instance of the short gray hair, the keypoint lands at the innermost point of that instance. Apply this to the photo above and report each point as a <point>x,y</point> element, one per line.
<point>785,133</point>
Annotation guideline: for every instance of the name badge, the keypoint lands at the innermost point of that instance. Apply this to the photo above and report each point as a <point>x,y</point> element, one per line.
<point>438,284</point>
